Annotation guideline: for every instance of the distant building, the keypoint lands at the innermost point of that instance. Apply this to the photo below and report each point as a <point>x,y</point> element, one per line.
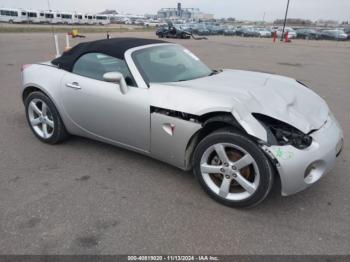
<point>294,22</point>
<point>150,16</point>
<point>183,13</point>
<point>327,23</point>
<point>109,12</point>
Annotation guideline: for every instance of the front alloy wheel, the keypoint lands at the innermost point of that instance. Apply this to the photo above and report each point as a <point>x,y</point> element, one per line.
<point>232,169</point>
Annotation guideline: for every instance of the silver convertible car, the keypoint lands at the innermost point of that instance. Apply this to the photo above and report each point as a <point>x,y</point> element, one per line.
<point>237,130</point>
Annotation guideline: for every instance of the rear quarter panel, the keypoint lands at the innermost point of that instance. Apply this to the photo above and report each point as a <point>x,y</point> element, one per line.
<point>44,77</point>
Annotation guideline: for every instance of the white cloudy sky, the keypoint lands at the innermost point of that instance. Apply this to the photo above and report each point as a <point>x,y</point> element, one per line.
<point>241,9</point>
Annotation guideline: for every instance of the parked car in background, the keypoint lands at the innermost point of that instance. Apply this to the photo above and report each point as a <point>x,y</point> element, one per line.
<point>139,22</point>
<point>335,34</point>
<point>216,30</point>
<point>203,31</point>
<point>194,28</point>
<point>212,30</point>
<point>172,31</point>
<point>291,32</point>
<point>186,27</point>
<point>263,32</point>
<point>229,31</point>
<point>347,31</point>
<point>308,33</point>
<point>247,32</point>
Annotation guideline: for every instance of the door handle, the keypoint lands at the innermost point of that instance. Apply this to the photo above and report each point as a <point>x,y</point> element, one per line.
<point>73,85</point>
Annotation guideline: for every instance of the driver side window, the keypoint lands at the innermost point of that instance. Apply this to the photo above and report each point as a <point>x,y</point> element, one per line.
<point>95,65</point>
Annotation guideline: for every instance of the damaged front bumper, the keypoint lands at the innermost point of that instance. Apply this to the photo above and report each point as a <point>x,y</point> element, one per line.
<point>299,169</point>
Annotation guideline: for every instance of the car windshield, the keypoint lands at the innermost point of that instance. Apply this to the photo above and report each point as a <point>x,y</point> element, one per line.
<point>334,32</point>
<point>310,31</point>
<point>169,63</point>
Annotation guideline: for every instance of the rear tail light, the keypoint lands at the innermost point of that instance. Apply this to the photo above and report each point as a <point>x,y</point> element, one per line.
<point>24,67</point>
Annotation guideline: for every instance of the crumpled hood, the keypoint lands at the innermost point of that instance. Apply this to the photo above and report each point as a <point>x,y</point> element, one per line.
<point>276,96</point>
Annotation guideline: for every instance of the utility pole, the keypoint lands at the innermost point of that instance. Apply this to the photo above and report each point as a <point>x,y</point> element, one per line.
<point>285,21</point>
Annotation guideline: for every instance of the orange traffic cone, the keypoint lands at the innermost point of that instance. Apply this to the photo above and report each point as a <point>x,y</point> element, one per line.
<point>287,37</point>
<point>274,36</point>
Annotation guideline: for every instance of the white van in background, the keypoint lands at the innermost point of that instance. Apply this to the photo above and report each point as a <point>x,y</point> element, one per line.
<point>49,17</point>
<point>13,15</point>
<point>16,15</point>
<point>66,18</point>
<point>78,19</point>
<point>33,17</point>
<point>89,19</point>
<point>102,19</point>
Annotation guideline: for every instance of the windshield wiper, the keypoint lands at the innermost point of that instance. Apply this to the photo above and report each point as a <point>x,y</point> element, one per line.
<point>214,72</point>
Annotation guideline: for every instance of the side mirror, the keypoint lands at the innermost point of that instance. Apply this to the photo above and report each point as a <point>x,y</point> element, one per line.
<point>116,77</point>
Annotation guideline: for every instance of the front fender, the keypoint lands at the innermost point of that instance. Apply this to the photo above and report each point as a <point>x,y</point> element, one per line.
<point>248,122</point>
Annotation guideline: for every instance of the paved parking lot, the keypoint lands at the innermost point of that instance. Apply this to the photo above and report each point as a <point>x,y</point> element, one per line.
<point>85,197</point>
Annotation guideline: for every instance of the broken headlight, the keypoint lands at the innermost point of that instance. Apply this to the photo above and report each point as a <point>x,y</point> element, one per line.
<point>280,133</point>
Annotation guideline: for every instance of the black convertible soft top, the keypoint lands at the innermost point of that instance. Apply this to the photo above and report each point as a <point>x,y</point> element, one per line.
<point>115,47</point>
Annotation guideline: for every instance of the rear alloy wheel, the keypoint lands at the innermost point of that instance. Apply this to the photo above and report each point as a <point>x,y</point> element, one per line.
<point>232,169</point>
<point>44,119</point>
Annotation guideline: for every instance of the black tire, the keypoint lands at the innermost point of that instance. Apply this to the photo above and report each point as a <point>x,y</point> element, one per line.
<point>59,131</point>
<point>236,138</point>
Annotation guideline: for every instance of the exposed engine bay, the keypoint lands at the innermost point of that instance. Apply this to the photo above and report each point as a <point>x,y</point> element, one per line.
<point>280,133</point>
